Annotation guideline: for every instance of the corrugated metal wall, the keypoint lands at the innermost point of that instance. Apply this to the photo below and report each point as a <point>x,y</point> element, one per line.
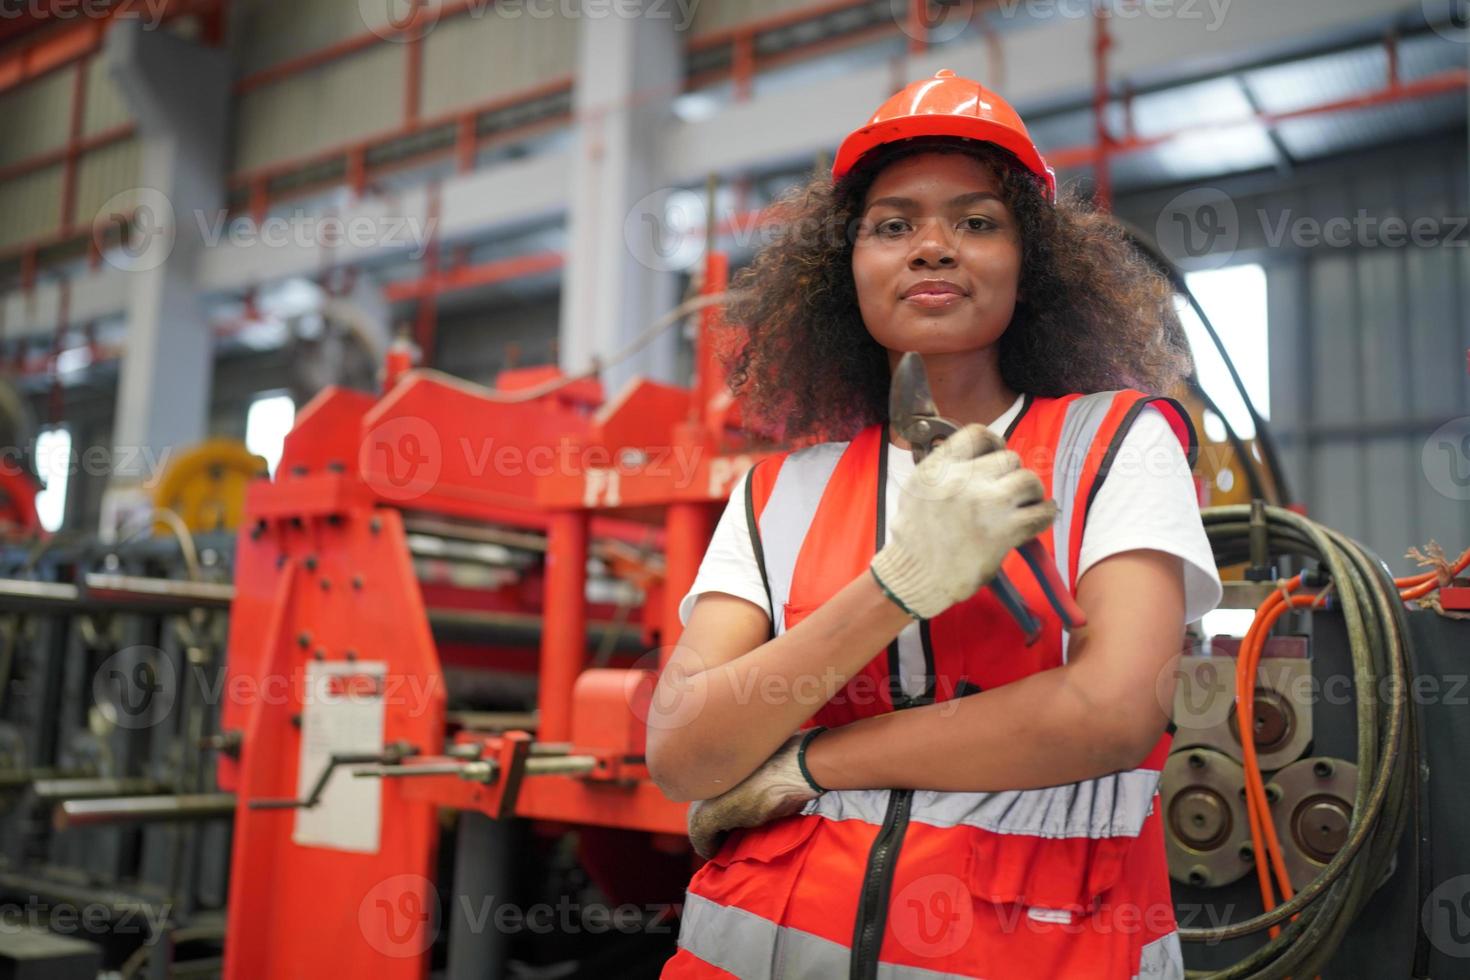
<point>474,344</point>
<point>271,32</point>
<point>37,117</point>
<point>468,59</point>
<point>326,107</point>
<point>103,174</point>
<point>477,58</point>
<point>105,107</point>
<point>711,17</point>
<point>1368,340</point>
<point>29,205</point>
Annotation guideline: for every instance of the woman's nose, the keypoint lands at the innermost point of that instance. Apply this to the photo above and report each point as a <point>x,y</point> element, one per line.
<point>932,249</point>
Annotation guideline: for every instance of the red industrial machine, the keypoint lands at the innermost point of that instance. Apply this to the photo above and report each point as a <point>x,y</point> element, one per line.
<point>336,734</point>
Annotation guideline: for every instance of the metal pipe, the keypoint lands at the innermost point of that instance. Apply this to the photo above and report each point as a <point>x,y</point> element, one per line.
<point>475,533</point>
<point>130,592</point>
<point>95,788</point>
<point>403,772</point>
<point>137,588</point>
<point>159,595</point>
<point>561,765</point>
<point>142,809</point>
<point>16,778</point>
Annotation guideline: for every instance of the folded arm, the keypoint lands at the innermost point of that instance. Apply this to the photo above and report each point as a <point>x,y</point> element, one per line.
<point>1101,712</point>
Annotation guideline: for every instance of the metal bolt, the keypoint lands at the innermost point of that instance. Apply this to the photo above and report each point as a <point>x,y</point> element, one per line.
<point>326,584</point>
<point>375,525</point>
<point>311,563</point>
<point>357,581</point>
<point>319,653</point>
<point>1322,769</point>
<point>303,639</point>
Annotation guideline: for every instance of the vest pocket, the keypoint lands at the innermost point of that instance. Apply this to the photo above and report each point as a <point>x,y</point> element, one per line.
<point>765,844</point>
<point>755,874</point>
<point>1056,876</point>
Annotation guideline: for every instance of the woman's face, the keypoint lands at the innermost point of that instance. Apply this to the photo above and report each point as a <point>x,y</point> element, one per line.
<point>937,257</point>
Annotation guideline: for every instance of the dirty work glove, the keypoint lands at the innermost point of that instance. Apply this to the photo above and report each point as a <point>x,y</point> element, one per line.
<point>779,788</point>
<point>961,512</point>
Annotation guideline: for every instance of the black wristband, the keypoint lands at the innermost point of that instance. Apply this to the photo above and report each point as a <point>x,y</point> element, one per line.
<point>806,773</point>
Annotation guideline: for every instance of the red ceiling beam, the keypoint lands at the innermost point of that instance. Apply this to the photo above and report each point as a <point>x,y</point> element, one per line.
<point>470,276</point>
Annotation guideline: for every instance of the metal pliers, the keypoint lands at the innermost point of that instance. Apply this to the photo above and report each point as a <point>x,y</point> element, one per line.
<point>916,418</point>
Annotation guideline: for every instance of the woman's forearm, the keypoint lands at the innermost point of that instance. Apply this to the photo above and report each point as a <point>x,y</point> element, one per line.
<point>1042,730</point>
<point>732,717</point>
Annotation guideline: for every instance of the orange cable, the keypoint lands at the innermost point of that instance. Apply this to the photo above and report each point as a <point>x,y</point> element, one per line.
<point>1420,585</point>
<point>1257,804</point>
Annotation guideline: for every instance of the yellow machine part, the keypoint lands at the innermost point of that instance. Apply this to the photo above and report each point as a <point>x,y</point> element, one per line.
<point>205,485</point>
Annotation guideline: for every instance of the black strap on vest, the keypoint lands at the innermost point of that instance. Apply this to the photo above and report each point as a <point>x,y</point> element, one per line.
<point>755,545</point>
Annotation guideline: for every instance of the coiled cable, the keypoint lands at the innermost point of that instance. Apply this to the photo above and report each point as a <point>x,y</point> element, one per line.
<point>1388,761</point>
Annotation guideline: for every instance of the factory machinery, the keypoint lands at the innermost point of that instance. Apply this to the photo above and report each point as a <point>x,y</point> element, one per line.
<point>444,617</point>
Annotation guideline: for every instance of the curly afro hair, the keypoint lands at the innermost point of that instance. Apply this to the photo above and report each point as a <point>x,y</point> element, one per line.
<point>1096,317</point>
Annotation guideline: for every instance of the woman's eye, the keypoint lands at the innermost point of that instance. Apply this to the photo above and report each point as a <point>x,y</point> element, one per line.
<point>977,223</point>
<point>893,226</point>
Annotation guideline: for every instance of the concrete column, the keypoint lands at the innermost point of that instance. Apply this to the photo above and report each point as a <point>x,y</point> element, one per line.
<point>179,93</point>
<point>620,272</point>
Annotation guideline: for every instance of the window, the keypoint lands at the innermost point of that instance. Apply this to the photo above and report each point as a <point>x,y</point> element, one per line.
<point>1234,298</point>
<point>266,423</point>
<point>53,465</point>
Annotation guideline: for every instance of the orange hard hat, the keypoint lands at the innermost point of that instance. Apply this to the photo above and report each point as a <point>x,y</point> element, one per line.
<point>946,105</point>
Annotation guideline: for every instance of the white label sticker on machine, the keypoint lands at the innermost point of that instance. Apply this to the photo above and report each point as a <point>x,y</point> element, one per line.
<point>342,711</point>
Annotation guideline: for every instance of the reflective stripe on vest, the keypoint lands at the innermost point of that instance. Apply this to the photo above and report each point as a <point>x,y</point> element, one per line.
<point>1162,959</point>
<point>784,517</point>
<point>754,949</point>
<point>1109,806</point>
<point>1084,418</point>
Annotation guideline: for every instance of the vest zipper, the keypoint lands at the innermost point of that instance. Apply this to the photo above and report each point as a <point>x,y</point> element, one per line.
<point>872,914</point>
<point>872,911</point>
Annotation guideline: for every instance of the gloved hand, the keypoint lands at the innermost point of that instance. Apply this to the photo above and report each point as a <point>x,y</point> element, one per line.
<point>777,789</point>
<point>967,504</point>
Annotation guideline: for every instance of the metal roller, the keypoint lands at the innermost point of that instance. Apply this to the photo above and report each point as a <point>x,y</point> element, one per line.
<point>94,788</point>
<point>1312,808</point>
<point>143,809</point>
<point>1206,828</point>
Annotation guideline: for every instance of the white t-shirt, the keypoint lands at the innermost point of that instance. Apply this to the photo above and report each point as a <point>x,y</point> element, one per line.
<point>1147,500</point>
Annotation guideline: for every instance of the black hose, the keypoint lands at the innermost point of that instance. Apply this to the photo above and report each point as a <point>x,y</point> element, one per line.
<point>1269,455</point>
<point>1389,771</point>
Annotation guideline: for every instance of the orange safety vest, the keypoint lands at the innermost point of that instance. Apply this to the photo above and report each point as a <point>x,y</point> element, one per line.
<point>1067,881</point>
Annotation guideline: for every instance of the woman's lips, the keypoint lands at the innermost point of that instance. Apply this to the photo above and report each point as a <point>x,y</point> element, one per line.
<point>933,300</point>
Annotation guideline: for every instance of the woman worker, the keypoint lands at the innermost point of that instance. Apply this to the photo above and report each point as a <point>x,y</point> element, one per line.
<point>893,782</point>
